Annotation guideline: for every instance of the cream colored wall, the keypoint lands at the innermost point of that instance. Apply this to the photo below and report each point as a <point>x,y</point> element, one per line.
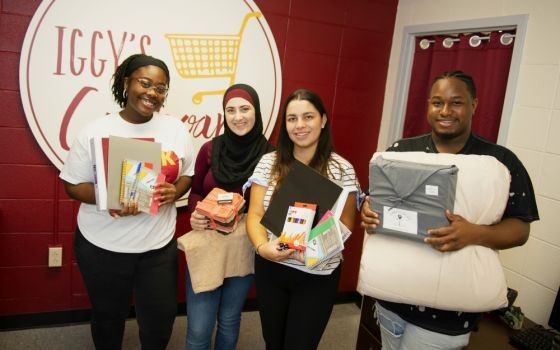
<point>534,133</point>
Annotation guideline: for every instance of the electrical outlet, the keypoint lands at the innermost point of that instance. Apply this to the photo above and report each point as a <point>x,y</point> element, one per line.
<point>55,256</point>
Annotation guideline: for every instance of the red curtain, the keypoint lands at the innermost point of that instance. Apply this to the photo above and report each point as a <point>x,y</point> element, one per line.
<point>488,64</point>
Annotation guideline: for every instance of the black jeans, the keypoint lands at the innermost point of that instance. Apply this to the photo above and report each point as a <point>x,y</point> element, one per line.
<point>294,306</point>
<point>111,278</point>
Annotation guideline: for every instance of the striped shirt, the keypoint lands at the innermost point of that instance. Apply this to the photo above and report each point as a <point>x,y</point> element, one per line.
<point>339,171</point>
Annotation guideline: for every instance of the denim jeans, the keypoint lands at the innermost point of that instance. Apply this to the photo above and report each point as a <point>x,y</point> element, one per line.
<point>222,305</point>
<point>397,334</point>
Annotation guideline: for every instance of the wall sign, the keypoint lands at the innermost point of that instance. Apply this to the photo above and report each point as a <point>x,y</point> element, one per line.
<point>72,48</point>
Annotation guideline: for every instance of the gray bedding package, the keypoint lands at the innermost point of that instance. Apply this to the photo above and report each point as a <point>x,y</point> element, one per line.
<point>411,198</point>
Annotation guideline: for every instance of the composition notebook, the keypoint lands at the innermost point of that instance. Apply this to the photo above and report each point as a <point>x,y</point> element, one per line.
<point>302,184</point>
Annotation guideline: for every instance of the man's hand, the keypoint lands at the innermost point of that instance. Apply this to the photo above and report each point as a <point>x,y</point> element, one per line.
<point>370,219</point>
<point>459,234</point>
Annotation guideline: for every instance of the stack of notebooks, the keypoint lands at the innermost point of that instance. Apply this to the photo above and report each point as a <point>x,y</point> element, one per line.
<point>325,240</point>
<point>319,243</point>
<point>222,209</point>
<point>125,170</point>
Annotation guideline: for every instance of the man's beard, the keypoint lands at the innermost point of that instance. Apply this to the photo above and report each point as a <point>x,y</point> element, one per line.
<point>447,136</point>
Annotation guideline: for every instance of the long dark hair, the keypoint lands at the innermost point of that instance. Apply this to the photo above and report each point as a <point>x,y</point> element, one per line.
<point>285,147</point>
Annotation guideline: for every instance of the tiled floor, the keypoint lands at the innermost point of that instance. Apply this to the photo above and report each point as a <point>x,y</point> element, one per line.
<point>341,334</point>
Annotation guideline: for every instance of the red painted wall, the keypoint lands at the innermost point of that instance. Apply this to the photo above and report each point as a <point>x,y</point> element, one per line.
<point>338,48</point>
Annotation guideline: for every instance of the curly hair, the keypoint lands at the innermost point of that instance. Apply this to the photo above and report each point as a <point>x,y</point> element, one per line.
<point>125,70</point>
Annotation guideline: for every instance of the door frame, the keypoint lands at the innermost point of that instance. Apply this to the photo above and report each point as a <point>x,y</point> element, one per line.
<point>400,98</point>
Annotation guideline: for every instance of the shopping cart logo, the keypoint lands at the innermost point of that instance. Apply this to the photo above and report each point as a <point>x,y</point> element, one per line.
<point>207,56</point>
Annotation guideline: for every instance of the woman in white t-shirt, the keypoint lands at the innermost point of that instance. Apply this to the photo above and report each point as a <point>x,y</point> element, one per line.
<point>295,302</point>
<point>124,253</point>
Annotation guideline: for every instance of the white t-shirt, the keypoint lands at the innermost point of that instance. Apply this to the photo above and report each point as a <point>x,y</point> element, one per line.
<point>142,232</point>
<point>339,171</point>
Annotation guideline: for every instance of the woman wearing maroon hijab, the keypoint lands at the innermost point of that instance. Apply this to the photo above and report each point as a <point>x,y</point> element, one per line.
<point>226,162</point>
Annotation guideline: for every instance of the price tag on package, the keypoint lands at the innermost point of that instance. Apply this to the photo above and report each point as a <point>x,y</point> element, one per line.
<point>225,198</point>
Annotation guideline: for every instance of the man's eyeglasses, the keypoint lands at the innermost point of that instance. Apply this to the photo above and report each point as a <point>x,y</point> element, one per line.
<point>147,84</point>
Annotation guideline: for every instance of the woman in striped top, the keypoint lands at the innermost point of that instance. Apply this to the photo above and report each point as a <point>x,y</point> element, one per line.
<point>295,302</point>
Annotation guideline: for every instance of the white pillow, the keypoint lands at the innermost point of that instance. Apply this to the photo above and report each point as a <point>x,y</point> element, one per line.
<point>470,279</point>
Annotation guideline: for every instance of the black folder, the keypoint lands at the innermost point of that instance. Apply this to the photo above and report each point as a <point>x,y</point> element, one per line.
<point>302,184</point>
